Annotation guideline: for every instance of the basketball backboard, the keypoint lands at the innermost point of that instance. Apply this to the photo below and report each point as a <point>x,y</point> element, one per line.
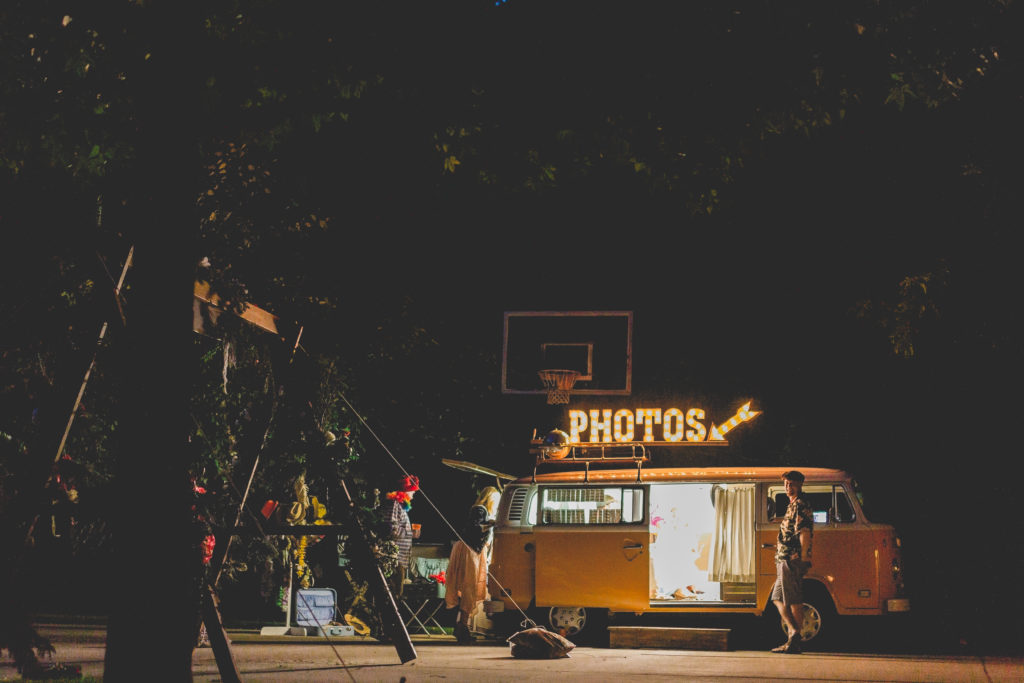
<point>597,344</point>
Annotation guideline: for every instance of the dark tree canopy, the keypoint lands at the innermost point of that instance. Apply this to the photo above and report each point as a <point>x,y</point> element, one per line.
<point>810,204</point>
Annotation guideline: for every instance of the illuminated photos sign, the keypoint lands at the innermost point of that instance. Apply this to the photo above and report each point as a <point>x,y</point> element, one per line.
<point>651,425</point>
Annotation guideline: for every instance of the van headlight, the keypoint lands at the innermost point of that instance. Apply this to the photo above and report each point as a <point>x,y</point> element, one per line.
<point>897,573</point>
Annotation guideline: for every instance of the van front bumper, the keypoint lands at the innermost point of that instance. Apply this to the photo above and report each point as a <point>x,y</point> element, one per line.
<point>895,605</point>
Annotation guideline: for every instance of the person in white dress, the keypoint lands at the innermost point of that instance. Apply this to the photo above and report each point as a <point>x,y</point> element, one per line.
<point>466,579</point>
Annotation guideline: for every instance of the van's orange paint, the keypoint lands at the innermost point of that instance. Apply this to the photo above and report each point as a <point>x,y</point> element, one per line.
<point>608,566</point>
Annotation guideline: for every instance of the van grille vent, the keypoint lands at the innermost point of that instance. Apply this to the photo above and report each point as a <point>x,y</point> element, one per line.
<point>515,507</point>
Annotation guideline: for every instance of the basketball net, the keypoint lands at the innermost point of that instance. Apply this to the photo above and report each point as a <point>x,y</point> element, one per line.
<point>559,384</point>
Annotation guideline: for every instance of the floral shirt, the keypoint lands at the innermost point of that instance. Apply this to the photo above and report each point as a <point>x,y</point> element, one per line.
<point>798,516</point>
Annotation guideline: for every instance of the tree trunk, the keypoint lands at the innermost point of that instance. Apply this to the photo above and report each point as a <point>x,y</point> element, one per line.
<point>156,598</point>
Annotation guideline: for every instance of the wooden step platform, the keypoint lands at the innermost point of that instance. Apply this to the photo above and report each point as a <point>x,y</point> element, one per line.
<point>668,638</point>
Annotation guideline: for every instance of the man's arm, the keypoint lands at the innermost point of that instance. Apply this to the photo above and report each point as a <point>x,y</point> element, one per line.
<point>805,546</point>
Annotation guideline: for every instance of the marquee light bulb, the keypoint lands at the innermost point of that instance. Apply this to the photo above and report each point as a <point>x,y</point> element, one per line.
<point>577,424</point>
<point>648,417</point>
<point>742,415</point>
<point>673,424</point>
<point>693,417</point>
<point>623,417</point>
<point>601,422</point>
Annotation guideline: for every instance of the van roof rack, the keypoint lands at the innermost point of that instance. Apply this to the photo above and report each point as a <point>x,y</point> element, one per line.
<point>588,453</point>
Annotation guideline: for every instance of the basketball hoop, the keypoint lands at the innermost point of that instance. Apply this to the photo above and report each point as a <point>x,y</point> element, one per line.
<point>559,384</point>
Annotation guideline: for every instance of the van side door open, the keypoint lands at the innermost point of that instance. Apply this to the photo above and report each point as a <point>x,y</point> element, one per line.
<point>702,544</point>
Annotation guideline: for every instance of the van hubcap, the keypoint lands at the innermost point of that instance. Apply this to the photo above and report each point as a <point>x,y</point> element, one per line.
<point>571,620</point>
<point>812,623</point>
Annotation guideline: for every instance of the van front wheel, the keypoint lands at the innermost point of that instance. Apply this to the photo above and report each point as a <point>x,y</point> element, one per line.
<point>581,625</point>
<point>819,616</point>
<point>812,623</point>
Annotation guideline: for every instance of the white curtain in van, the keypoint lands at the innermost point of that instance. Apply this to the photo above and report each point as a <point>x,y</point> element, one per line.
<point>732,543</point>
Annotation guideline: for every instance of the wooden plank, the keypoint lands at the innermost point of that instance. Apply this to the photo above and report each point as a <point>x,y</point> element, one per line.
<point>365,561</point>
<point>253,314</point>
<point>653,637</point>
<point>218,637</point>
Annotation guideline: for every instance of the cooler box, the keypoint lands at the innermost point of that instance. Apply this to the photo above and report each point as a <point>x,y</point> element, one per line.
<point>425,567</point>
<point>315,606</point>
<point>339,630</point>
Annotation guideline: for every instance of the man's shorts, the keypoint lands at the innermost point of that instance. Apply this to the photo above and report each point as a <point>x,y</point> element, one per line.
<point>788,582</point>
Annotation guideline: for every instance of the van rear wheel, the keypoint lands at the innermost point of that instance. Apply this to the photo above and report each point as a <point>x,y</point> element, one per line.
<point>568,620</point>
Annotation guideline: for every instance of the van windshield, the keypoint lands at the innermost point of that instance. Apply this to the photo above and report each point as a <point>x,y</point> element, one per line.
<point>829,502</point>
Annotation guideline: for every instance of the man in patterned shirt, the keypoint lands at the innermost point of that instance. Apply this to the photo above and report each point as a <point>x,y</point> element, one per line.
<point>792,558</point>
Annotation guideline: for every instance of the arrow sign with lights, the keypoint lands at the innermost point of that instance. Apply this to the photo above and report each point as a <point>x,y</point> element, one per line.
<point>744,414</point>
<point>669,426</point>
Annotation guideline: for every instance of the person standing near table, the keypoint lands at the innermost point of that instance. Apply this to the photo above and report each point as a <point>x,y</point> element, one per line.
<point>466,581</point>
<point>401,530</point>
<point>792,559</point>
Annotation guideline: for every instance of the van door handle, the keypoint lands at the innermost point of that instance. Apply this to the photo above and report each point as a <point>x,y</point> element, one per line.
<point>633,546</point>
<point>767,545</point>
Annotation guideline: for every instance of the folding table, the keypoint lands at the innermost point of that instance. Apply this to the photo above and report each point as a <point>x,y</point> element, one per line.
<point>422,603</point>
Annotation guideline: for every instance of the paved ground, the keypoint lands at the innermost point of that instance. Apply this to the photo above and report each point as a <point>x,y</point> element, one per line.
<point>439,658</point>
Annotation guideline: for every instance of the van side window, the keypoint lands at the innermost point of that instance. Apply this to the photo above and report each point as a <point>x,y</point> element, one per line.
<point>578,505</point>
<point>778,501</point>
<point>828,501</point>
<point>843,510</point>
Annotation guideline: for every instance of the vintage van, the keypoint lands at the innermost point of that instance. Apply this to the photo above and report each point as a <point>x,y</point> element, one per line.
<point>574,547</point>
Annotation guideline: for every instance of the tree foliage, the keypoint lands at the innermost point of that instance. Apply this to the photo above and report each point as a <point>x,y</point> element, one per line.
<point>335,145</point>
